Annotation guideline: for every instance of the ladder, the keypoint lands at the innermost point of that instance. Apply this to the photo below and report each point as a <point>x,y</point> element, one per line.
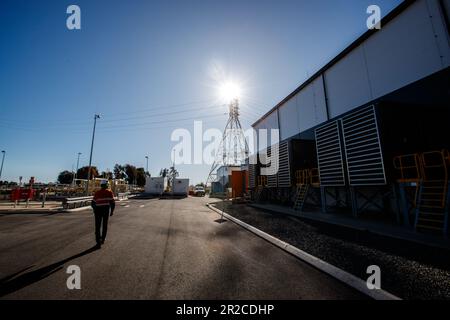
<point>432,206</point>
<point>302,192</point>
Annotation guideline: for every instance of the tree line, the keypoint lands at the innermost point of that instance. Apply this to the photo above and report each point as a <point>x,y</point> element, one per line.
<point>130,173</point>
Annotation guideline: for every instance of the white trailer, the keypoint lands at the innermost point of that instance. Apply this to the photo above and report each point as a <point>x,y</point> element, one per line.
<point>180,187</point>
<point>155,185</point>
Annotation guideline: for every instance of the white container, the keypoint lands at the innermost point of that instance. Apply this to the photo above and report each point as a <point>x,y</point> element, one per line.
<point>155,185</point>
<point>181,187</point>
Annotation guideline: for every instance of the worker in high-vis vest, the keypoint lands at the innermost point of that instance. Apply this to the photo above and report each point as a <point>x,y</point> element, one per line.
<point>103,205</point>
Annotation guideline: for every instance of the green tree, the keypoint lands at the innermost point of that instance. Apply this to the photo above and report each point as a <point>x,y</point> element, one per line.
<point>107,175</point>
<point>140,177</point>
<point>164,172</point>
<point>82,173</point>
<point>173,172</point>
<point>119,172</point>
<point>131,173</point>
<point>65,177</point>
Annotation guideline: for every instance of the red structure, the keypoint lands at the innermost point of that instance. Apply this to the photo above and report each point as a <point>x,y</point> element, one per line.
<point>22,194</point>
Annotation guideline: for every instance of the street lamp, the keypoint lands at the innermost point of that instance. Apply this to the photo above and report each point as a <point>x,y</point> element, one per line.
<point>90,156</point>
<point>146,166</point>
<point>76,172</point>
<point>3,159</point>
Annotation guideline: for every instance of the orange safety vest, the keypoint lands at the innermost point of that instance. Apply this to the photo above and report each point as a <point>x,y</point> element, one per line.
<point>103,198</point>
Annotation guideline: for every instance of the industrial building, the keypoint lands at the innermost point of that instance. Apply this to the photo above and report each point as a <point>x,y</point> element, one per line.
<point>368,133</point>
<point>231,180</point>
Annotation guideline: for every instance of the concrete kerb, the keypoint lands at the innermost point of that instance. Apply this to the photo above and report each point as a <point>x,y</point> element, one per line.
<point>319,264</point>
<point>77,209</point>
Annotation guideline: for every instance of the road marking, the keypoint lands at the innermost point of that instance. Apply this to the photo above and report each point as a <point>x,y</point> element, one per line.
<point>323,266</point>
<point>127,206</point>
<point>142,205</point>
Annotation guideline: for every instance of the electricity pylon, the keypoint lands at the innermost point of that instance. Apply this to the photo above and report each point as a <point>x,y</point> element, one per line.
<point>233,148</point>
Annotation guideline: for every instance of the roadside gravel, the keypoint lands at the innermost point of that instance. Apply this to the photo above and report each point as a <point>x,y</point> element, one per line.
<point>408,270</point>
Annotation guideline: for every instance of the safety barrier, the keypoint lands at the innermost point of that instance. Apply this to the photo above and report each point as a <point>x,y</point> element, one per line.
<point>72,203</point>
<point>122,196</point>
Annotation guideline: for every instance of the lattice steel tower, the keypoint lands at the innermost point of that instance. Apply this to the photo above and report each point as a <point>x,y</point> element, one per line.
<point>233,148</point>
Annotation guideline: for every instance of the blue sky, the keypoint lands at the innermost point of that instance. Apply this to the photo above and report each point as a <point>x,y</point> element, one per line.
<point>149,67</point>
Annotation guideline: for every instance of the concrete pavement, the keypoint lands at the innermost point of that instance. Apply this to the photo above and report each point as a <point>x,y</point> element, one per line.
<point>155,249</point>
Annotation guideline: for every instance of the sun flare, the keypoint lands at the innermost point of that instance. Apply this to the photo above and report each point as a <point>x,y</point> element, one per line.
<point>229,91</point>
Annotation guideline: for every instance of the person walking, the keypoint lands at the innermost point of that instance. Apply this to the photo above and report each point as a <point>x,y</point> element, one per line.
<point>103,205</point>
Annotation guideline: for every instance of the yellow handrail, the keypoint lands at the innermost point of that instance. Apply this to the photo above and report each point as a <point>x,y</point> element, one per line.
<point>262,181</point>
<point>409,166</point>
<point>307,176</point>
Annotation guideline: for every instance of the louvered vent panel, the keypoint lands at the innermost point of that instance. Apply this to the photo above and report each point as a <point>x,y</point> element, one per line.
<point>272,180</point>
<point>362,148</point>
<point>329,155</point>
<point>252,172</point>
<point>284,170</point>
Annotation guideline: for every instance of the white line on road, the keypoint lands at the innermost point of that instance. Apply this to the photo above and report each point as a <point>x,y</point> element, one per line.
<point>142,205</point>
<point>323,266</point>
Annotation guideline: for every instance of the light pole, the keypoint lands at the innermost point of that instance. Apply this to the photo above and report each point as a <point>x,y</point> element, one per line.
<point>76,172</point>
<point>3,160</point>
<point>90,156</point>
<point>146,166</point>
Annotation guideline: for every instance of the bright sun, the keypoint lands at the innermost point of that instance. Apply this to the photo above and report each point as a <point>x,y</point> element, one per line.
<point>229,91</point>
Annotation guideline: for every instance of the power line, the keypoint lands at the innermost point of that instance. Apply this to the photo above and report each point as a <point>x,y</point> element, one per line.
<point>162,121</point>
<point>163,114</point>
<point>173,126</point>
<point>124,126</point>
<point>162,107</point>
<point>65,122</point>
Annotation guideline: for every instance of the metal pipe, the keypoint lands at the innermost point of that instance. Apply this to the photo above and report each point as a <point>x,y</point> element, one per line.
<point>90,156</point>
<point>76,172</point>
<point>3,159</point>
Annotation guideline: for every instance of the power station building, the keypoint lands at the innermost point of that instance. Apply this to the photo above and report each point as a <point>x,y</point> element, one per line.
<point>369,132</point>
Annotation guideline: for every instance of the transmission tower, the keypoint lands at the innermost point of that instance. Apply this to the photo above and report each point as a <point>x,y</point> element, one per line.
<point>233,148</point>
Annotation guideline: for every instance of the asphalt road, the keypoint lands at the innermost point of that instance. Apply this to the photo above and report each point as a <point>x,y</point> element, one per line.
<point>155,249</point>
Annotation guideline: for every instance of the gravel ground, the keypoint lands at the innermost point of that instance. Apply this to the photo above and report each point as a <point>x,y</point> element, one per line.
<point>408,270</point>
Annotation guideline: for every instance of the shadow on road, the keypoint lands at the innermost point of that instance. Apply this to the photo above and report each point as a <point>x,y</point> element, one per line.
<point>29,212</point>
<point>11,284</point>
<point>220,221</point>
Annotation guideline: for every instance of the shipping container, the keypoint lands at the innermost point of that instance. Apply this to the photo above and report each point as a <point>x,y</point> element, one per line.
<point>180,187</point>
<point>237,184</point>
<point>155,185</point>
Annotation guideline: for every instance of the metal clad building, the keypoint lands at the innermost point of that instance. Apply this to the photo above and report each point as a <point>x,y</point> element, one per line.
<point>385,95</point>
<point>412,44</point>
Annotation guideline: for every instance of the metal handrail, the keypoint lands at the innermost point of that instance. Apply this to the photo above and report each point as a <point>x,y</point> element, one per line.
<point>308,177</point>
<point>262,181</point>
<point>408,172</point>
